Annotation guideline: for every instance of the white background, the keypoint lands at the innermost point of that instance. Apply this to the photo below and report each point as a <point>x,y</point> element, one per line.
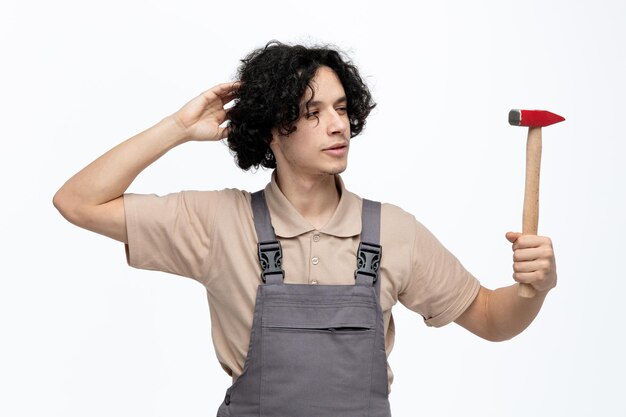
<point>83,334</point>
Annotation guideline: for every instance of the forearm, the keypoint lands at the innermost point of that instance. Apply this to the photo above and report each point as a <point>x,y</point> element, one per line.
<point>508,314</point>
<point>111,174</point>
<point>502,314</point>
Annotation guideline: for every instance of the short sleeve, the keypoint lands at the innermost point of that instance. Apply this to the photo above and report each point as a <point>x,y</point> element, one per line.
<point>170,233</point>
<point>440,288</point>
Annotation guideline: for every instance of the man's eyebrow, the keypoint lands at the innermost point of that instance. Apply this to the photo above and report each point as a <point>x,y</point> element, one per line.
<point>339,100</point>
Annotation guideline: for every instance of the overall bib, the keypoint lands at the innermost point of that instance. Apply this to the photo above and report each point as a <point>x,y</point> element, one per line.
<point>315,350</point>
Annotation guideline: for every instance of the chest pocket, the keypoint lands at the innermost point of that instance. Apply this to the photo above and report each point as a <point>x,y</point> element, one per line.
<point>317,356</point>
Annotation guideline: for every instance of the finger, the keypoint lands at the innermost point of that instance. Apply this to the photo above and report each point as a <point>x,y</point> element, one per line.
<point>223,115</point>
<point>229,97</point>
<point>525,277</point>
<point>512,236</point>
<point>217,91</point>
<point>528,266</point>
<point>529,241</point>
<point>224,88</point>
<point>224,132</point>
<point>531,254</point>
<point>216,113</point>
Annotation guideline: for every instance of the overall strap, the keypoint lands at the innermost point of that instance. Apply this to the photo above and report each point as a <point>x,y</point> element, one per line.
<point>369,252</point>
<point>269,249</point>
<point>271,255</point>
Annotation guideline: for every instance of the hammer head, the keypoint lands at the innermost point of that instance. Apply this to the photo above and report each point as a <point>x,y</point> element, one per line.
<point>533,118</point>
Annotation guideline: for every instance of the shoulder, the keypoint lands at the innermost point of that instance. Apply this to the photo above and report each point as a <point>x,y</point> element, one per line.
<point>403,228</point>
<point>228,196</point>
<point>396,218</point>
<point>395,222</point>
<point>393,213</point>
<point>397,226</point>
<point>191,204</point>
<point>226,193</point>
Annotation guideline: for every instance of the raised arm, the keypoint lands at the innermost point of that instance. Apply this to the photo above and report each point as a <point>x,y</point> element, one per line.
<point>502,314</point>
<point>93,197</point>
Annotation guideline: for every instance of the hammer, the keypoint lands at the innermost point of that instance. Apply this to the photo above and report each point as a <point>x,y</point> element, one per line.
<point>535,120</point>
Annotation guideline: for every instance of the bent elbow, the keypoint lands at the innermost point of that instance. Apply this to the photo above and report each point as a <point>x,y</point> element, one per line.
<point>67,210</point>
<point>500,337</point>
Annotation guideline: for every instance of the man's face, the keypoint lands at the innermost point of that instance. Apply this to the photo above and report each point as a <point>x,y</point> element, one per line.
<point>317,147</point>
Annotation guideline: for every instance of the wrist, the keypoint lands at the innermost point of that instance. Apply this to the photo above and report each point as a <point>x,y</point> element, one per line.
<point>539,293</point>
<point>177,132</point>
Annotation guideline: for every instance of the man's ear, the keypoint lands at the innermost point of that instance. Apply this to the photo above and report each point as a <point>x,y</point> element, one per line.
<point>273,138</point>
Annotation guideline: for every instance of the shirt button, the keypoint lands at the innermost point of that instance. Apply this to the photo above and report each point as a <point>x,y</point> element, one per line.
<point>316,238</point>
<point>313,282</point>
<point>315,260</point>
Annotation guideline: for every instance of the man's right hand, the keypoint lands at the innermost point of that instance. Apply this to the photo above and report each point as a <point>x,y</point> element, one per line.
<point>201,117</point>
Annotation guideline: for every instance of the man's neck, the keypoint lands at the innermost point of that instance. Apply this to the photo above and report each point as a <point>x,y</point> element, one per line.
<point>314,197</point>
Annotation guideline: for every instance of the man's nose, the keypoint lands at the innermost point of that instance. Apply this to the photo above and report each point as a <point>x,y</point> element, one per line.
<point>337,123</point>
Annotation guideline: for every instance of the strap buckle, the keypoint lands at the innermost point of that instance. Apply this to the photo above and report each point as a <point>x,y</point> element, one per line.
<point>368,260</point>
<point>271,258</point>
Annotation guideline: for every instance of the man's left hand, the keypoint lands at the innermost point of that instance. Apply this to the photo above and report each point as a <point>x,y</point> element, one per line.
<point>533,260</point>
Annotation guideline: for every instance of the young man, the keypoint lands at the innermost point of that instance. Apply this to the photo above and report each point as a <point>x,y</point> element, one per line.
<point>318,348</point>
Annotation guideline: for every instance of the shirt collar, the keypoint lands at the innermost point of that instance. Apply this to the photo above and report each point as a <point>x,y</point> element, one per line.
<point>288,222</point>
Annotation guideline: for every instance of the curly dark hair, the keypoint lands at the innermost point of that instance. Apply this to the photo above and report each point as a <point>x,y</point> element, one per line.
<point>273,81</point>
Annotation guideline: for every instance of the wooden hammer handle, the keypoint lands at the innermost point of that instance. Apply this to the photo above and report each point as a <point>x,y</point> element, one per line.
<point>530,219</point>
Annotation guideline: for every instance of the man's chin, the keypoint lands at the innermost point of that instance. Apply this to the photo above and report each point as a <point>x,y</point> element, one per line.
<point>337,170</point>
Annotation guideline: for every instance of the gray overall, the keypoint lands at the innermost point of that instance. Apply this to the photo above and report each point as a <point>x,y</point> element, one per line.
<point>315,350</point>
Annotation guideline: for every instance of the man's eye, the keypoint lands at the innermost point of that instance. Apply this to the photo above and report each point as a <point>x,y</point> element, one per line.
<point>342,109</point>
<point>311,114</point>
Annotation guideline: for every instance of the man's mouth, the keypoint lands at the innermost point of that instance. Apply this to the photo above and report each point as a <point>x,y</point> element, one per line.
<point>337,146</point>
<point>338,149</point>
